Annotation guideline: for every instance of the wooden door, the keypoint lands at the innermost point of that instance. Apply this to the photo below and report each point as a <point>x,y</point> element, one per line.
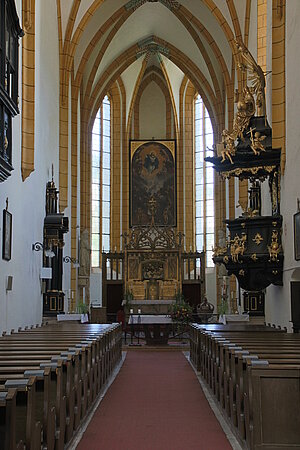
<point>114,300</point>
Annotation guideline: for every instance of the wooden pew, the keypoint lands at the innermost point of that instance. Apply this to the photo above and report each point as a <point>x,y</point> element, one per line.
<point>229,360</point>
<point>272,399</point>
<point>90,359</point>
<point>8,420</point>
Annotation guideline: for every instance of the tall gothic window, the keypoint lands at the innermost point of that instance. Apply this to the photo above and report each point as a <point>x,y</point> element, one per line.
<point>101,182</point>
<point>204,181</point>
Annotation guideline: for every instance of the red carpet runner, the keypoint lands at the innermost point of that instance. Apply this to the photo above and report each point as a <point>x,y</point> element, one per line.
<point>155,403</point>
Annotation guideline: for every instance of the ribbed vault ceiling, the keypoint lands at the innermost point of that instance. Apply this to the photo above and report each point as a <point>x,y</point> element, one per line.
<point>107,39</point>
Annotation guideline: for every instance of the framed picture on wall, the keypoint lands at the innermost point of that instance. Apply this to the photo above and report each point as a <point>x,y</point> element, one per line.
<point>297,236</point>
<point>152,194</point>
<point>7,233</point>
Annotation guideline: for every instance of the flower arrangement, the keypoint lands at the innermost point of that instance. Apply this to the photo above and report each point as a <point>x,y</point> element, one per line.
<point>181,311</point>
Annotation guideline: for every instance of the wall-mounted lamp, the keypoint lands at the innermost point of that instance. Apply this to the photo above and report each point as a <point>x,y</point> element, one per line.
<point>68,259</point>
<point>38,246</point>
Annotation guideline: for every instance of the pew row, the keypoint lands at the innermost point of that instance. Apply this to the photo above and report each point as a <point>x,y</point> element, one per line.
<point>255,377</point>
<point>49,380</point>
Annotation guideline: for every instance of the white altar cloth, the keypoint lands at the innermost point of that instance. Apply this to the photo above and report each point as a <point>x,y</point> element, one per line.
<point>84,318</point>
<point>149,319</point>
<point>225,318</point>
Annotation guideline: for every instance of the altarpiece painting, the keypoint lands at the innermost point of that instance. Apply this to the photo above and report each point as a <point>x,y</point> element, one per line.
<point>153,177</point>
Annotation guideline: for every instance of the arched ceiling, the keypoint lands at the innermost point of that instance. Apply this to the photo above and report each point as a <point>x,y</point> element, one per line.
<point>105,39</point>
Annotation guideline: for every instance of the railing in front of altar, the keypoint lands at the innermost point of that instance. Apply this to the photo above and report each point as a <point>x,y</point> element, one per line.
<point>113,266</point>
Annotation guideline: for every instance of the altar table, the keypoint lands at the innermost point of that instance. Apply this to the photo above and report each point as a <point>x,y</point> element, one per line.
<point>149,319</point>
<point>225,318</point>
<point>156,328</point>
<point>84,318</point>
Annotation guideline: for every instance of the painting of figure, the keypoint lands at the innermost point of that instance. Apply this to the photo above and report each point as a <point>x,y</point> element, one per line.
<point>152,183</point>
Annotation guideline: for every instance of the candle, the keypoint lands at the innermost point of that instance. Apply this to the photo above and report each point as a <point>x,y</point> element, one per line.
<point>139,311</point>
<point>131,311</point>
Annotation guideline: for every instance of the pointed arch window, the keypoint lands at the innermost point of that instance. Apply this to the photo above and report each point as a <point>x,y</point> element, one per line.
<point>101,155</point>
<point>204,182</point>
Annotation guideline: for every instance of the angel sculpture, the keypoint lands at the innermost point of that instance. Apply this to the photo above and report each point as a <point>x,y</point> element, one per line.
<point>245,110</point>
<point>256,142</point>
<point>227,146</point>
<point>256,76</point>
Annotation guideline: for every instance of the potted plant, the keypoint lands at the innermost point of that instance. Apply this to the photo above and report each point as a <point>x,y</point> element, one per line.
<point>82,308</point>
<point>222,307</point>
<point>181,312</point>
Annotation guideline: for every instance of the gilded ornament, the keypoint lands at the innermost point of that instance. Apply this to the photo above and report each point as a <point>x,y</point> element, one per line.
<point>257,239</point>
<point>254,257</point>
<point>247,212</point>
<point>217,251</point>
<point>274,248</point>
<point>245,110</point>
<point>256,76</point>
<point>237,247</point>
<point>256,141</point>
<point>225,259</point>
<point>253,170</point>
<point>275,191</point>
<point>228,146</point>
<point>274,272</point>
<point>242,273</point>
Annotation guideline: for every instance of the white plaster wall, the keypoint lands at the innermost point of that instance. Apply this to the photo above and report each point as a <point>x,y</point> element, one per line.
<point>129,77</point>
<point>278,298</point>
<point>96,287</point>
<point>152,113</point>
<point>205,16</point>
<point>252,38</point>
<point>240,6</point>
<point>160,22</point>
<point>175,76</point>
<point>211,287</point>
<point>23,305</point>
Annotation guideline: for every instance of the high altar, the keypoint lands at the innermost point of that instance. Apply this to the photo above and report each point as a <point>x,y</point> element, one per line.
<point>153,268</point>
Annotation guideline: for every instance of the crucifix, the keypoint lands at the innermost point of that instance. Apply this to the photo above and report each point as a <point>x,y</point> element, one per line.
<point>152,208</point>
